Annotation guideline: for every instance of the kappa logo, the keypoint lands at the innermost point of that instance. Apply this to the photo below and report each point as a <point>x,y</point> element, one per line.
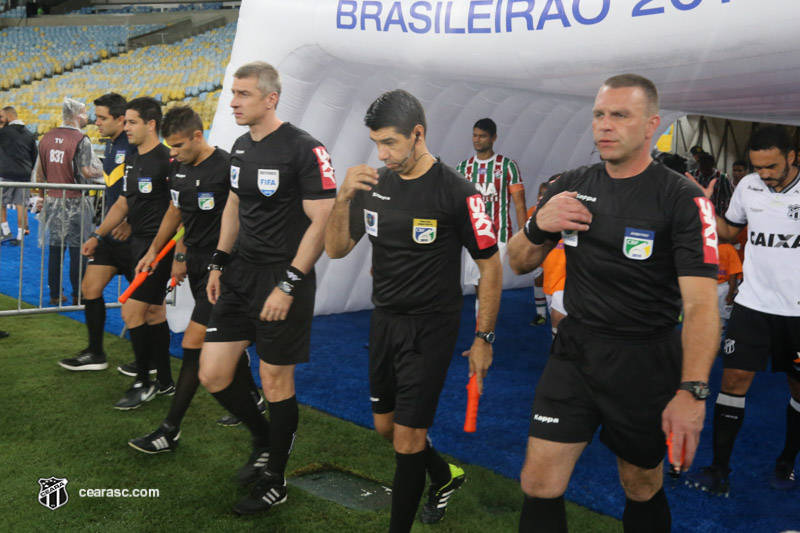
<point>380,196</point>
<point>709,220</point>
<point>424,231</point>
<point>234,177</point>
<point>794,212</point>
<point>545,419</point>
<point>638,243</point>
<point>586,198</point>
<point>481,224</point>
<point>145,185</point>
<point>239,151</point>
<point>53,492</point>
<point>729,347</point>
<point>325,168</point>
<point>268,181</point>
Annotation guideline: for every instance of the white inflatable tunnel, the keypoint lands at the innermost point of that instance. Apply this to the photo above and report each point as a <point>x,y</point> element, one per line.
<point>534,66</point>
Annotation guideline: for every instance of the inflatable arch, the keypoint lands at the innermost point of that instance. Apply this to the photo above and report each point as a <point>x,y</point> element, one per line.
<point>534,66</point>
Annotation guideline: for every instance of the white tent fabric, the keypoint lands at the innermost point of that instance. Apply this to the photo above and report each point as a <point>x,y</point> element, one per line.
<point>534,67</point>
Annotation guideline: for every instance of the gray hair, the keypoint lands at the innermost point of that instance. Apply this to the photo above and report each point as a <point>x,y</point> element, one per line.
<point>72,109</point>
<point>268,79</point>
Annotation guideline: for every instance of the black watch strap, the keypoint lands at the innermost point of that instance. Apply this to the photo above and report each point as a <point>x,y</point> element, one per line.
<point>698,389</point>
<point>487,336</point>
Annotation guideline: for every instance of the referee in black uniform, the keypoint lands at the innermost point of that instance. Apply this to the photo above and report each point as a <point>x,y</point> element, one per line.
<point>199,186</point>
<point>282,191</point>
<point>144,200</point>
<point>640,241</point>
<point>418,213</point>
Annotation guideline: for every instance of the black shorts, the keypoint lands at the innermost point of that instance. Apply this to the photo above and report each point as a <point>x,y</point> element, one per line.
<point>408,361</point>
<point>154,288</point>
<point>622,384</point>
<point>197,271</point>
<point>245,288</point>
<point>111,252</point>
<point>753,338</point>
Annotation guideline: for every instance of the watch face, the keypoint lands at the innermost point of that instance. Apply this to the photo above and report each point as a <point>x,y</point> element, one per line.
<point>286,287</point>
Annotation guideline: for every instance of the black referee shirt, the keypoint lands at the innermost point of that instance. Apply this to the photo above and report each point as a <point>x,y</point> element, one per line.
<point>417,228</point>
<point>200,192</point>
<point>622,274</point>
<point>147,190</point>
<point>272,177</point>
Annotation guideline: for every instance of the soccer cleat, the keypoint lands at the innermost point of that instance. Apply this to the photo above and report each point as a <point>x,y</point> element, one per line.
<point>783,476</point>
<point>85,360</point>
<point>230,420</point>
<point>438,497</point>
<point>163,439</point>
<point>269,490</point>
<point>135,396</point>
<point>710,479</point>
<point>130,369</point>
<point>7,236</point>
<point>255,464</point>
<point>166,390</point>
<point>539,320</point>
<point>13,242</point>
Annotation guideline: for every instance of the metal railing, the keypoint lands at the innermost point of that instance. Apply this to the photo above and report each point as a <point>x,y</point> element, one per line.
<point>85,215</point>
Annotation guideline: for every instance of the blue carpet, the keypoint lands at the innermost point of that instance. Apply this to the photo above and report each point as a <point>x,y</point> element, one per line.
<point>335,381</point>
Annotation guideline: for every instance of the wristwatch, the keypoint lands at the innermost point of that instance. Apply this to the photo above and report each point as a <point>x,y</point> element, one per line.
<point>488,336</point>
<point>698,389</point>
<point>180,258</point>
<point>285,287</point>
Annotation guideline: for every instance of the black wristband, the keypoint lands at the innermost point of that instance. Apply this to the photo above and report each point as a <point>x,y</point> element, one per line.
<point>534,233</point>
<point>291,280</point>
<point>96,236</point>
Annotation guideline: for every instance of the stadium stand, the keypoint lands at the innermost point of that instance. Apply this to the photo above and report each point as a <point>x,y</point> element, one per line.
<point>207,6</point>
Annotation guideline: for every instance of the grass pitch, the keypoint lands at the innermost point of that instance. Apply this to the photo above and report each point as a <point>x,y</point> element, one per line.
<point>62,424</point>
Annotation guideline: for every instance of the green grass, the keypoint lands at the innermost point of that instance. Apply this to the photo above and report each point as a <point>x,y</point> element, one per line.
<point>59,423</point>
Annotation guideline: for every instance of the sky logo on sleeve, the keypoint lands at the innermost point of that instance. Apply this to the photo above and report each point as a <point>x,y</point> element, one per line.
<point>481,223</point>
<point>325,168</point>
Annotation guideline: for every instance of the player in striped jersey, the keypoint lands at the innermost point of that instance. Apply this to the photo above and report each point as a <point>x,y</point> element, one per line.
<point>498,180</point>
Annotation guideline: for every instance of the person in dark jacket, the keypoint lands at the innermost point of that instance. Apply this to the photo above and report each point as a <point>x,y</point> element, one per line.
<point>17,157</point>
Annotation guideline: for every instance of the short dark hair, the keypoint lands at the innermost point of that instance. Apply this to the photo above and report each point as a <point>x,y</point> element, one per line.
<point>771,137</point>
<point>181,119</point>
<point>114,102</point>
<point>398,109</point>
<point>696,150</point>
<point>634,80</point>
<point>487,125</point>
<point>739,164</point>
<point>706,161</point>
<point>148,108</point>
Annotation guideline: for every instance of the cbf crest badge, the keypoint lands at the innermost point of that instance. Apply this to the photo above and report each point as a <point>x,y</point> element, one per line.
<point>424,230</point>
<point>205,201</point>
<point>119,157</point>
<point>53,492</point>
<point>145,185</point>
<point>638,243</point>
<point>268,181</point>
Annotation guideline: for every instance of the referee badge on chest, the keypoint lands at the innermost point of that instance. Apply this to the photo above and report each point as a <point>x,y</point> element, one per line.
<point>119,157</point>
<point>424,230</point>
<point>145,185</point>
<point>205,201</point>
<point>268,181</point>
<point>371,222</point>
<point>638,243</point>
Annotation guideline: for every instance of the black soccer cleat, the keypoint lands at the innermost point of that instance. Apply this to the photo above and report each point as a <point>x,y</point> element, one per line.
<point>130,369</point>
<point>255,464</point>
<point>783,476</point>
<point>710,479</point>
<point>163,439</point>
<point>438,497</point>
<point>230,420</point>
<point>138,394</point>
<point>269,491</point>
<point>166,390</point>
<point>85,360</point>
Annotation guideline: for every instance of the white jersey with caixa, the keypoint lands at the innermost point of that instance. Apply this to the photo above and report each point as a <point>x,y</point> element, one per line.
<point>772,257</point>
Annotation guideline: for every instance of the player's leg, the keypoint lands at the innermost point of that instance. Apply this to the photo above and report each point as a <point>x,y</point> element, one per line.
<point>77,264</point>
<point>646,507</point>
<point>156,319</point>
<point>245,375</point>
<point>54,280</point>
<point>134,313</point>
<point>539,298</point>
<point>787,357</point>
<point>544,478</point>
<point>409,476</point>
<point>746,350</point>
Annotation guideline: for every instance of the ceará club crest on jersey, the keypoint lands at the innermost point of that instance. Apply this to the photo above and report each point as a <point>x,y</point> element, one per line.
<point>268,181</point>
<point>638,243</point>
